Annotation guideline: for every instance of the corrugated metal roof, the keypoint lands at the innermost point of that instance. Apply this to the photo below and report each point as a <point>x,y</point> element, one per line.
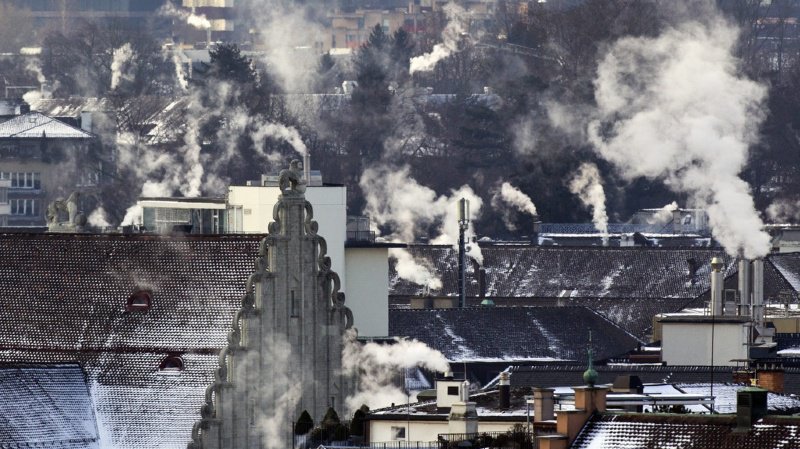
<point>35,125</point>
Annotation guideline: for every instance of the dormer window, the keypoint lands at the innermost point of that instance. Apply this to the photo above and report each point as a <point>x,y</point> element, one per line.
<point>139,301</point>
<point>171,363</point>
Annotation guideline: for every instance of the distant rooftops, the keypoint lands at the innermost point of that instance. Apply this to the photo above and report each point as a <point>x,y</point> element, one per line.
<point>36,125</point>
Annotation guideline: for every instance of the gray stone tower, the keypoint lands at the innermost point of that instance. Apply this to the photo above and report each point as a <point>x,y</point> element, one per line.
<point>284,353</point>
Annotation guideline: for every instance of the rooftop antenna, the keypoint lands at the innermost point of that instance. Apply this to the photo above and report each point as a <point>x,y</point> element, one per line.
<point>463,225</point>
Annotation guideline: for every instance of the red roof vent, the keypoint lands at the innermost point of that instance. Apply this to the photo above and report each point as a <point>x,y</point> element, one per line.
<point>171,363</point>
<point>139,301</point>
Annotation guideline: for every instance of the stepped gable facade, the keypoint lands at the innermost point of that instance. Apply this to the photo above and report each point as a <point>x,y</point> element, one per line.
<point>284,352</point>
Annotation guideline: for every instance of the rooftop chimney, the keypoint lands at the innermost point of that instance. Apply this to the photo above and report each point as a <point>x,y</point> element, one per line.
<point>716,286</point>
<point>505,391</point>
<point>463,225</point>
<point>758,292</point>
<point>745,287</point>
<point>543,404</point>
<point>751,405</point>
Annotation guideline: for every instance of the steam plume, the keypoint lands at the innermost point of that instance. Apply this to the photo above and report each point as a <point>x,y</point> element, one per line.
<point>378,365</point>
<point>450,37</point>
<point>198,21</point>
<point>396,201</point>
<point>589,188</point>
<point>122,57</point>
<point>516,198</point>
<point>664,214</point>
<point>674,108</point>
<point>98,218</point>
<point>413,270</point>
<point>784,210</point>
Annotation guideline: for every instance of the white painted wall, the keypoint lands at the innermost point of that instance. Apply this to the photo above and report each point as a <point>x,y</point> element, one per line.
<point>690,343</point>
<point>368,289</point>
<point>380,431</point>
<point>330,212</point>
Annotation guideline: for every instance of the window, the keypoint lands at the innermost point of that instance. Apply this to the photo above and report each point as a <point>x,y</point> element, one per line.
<point>139,301</point>
<point>452,391</point>
<point>23,180</point>
<point>398,433</point>
<point>24,207</point>
<point>172,363</point>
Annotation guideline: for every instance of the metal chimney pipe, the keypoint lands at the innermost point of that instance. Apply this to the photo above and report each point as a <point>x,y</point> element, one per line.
<point>307,168</point>
<point>745,287</point>
<point>505,391</point>
<point>716,286</point>
<point>463,225</point>
<point>758,292</point>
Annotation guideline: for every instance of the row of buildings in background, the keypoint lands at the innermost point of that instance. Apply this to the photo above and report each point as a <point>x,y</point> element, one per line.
<point>346,25</point>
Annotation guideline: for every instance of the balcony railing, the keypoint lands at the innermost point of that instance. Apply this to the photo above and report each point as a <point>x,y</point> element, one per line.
<point>500,440</point>
<point>361,236</point>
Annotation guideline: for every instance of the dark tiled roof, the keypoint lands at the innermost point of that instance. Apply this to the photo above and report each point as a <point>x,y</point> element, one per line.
<point>613,431</point>
<point>64,300</point>
<point>635,315</point>
<point>512,333</point>
<point>46,406</point>
<point>556,375</point>
<point>787,266</point>
<point>527,271</point>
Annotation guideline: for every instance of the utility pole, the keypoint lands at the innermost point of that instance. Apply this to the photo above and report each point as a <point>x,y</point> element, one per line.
<point>463,225</point>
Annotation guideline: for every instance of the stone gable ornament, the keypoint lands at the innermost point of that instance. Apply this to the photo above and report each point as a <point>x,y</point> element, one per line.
<point>64,215</point>
<point>291,179</point>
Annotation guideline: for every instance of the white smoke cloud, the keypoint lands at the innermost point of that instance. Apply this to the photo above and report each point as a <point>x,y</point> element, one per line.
<point>784,211</point>
<point>674,108</point>
<point>396,201</point>
<point>98,218</point>
<point>120,64</point>
<point>514,197</point>
<point>198,21</point>
<point>416,271</point>
<point>378,365</point>
<point>587,184</point>
<point>451,35</point>
<point>664,214</point>
<point>133,216</point>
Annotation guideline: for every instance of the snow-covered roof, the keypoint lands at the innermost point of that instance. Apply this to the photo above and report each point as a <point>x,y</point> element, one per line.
<point>65,300</point>
<point>36,125</point>
<point>684,431</point>
<point>46,406</point>
<point>69,107</point>
<point>512,334</point>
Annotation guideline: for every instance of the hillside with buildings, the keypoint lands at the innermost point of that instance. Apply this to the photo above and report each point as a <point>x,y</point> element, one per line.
<point>399,225</point>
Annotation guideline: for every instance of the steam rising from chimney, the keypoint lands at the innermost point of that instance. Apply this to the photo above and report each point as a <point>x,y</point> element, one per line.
<point>451,35</point>
<point>378,365</point>
<point>98,218</point>
<point>198,21</point>
<point>674,108</point>
<point>588,186</point>
<point>664,214</point>
<point>121,60</point>
<point>516,198</point>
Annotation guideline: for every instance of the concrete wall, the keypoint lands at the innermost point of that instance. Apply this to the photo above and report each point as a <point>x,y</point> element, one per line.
<point>368,289</point>
<point>690,343</point>
<point>330,212</point>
